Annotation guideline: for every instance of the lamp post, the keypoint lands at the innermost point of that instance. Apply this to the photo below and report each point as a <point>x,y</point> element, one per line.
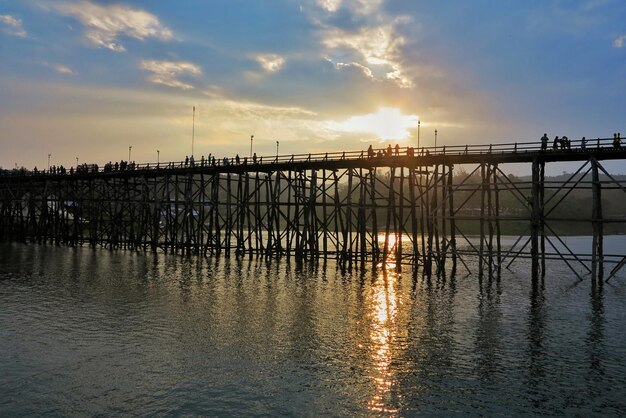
<point>76,162</point>
<point>418,133</point>
<point>193,129</point>
<point>49,155</point>
<point>251,139</point>
<point>130,148</point>
<point>435,140</point>
<point>158,156</point>
<point>276,150</point>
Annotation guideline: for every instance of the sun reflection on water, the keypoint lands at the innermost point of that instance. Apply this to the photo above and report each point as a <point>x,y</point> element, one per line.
<point>383,315</point>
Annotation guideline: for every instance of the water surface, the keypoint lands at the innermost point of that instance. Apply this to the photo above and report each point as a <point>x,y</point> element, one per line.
<point>94,332</point>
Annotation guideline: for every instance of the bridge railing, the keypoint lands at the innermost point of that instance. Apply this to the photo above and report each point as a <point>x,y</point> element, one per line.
<point>387,152</point>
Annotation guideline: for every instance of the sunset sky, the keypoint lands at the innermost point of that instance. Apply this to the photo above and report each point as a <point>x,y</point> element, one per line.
<point>88,79</point>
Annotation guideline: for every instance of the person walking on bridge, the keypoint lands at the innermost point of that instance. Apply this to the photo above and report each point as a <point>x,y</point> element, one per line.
<point>555,144</point>
<point>544,142</point>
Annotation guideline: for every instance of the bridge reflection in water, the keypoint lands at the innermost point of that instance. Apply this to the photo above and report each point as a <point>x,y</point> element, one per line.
<point>319,206</point>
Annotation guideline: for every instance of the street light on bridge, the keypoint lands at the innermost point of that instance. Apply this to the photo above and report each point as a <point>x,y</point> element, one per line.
<point>435,140</point>
<point>130,148</point>
<point>251,139</point>
<point>158,156</point>
<point>49,155</point>
<point>418,133</point>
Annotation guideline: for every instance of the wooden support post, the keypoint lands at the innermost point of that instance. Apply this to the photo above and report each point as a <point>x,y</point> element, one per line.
<point>542,239</point>
<point>497,214</point>
<point>413,207</point>
<point>483,189</point>
<point>490,212</point>
<point>375,247</point>
<point>535,219</point>
<point>427,192</point>
<point>325,226</point>
<point>362,217</point>
<point>399,230</point>
<point>347,231</point>
<point>444,220</point>
<point>423,192</point>
<point>452,213</point>
<point>597,258</point>
<point>390,210</point>
<point>435,216</point>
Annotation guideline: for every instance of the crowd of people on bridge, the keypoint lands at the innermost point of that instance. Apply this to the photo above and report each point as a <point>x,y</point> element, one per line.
<point>389,151</point>
<point>565,144</point>
<point>562,143</point>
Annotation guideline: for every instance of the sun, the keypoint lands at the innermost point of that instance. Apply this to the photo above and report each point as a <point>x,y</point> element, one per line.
<point>387,123</point>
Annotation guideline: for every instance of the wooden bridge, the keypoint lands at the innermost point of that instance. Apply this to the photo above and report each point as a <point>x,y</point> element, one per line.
<point>431,208</point>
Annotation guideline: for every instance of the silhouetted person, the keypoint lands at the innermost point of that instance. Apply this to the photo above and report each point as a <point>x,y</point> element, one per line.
<point>555,144</point>
<point>564,141</point>
<point>370,151</point>
<point>237,159</point>
<point>389,150</point>
<point>583,143</point>
<point>617,141</point>
<point>254,158</point>
<point>397,149</point>
<point>186,161</point>
<point>544,142</point>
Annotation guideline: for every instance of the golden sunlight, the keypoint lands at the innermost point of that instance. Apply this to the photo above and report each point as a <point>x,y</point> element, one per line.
<point>387,123</point>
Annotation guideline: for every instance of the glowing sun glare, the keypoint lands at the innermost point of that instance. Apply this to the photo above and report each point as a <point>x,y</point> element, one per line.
<point>387,124</point>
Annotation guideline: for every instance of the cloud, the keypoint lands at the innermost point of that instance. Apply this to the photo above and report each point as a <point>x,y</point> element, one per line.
<point>167,72</point>
<point>377,46</point>
<point>270,62</point>
<point>61,69</point>
<point>362,7</point>
<point>355,65</point>
<point>13,26</point>
<point>619,41</point>
<point>104,24</point>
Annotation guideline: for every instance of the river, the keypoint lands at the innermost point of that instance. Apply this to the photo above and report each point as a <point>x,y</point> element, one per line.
<point>96,332</point>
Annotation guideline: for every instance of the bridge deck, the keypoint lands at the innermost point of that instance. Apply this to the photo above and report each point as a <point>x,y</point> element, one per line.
<point>527,152</point>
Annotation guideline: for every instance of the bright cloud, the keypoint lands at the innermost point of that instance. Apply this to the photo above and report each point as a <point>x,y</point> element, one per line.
<point>104,24</point>
<point>13,26</point>
<point>365,70</point>
<point>378,46</point>
<point>356,6</point>
<point>270,62</point>
<point>619,41</point>
<point>168,72</point>
<point>386,124</point>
